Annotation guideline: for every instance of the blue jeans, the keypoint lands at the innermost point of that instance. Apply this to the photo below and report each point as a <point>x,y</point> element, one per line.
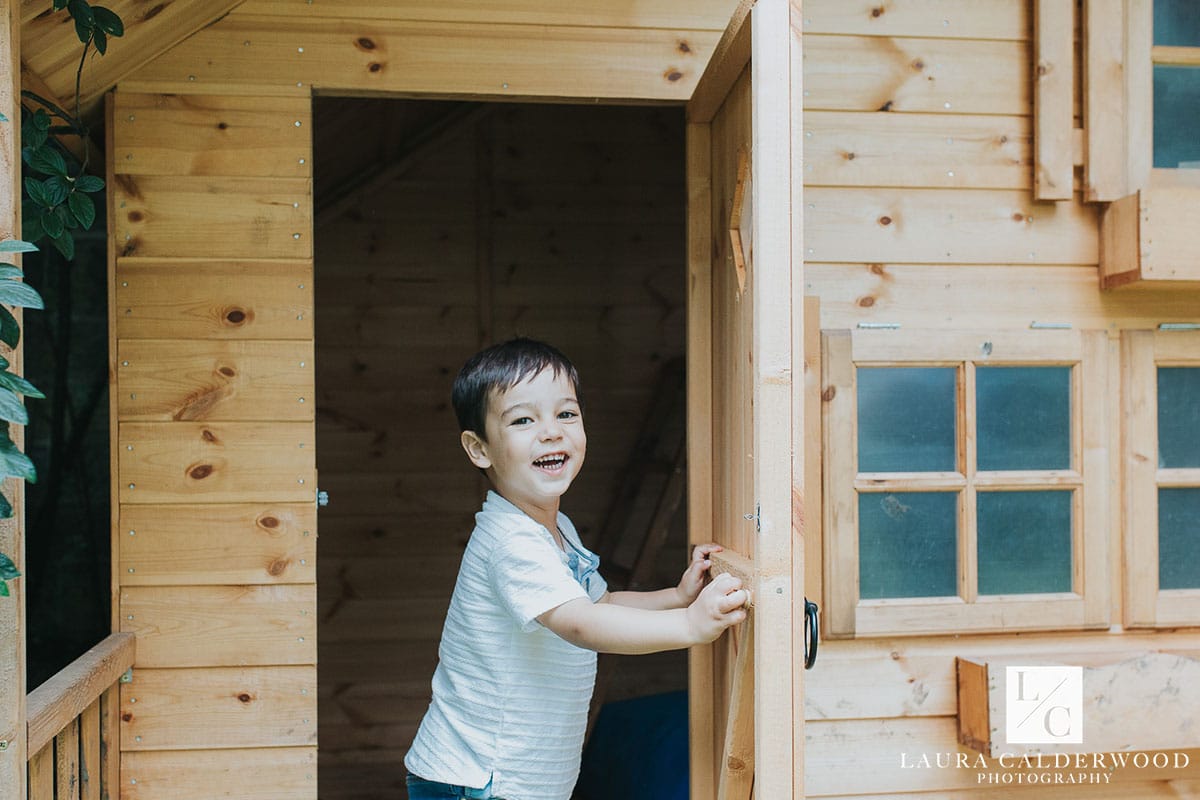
<point>421,789</point>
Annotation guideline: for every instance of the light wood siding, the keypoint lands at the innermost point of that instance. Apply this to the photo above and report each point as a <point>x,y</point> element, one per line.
<point>919,211</point>
<point>214,444</point>
<point>564,223</point>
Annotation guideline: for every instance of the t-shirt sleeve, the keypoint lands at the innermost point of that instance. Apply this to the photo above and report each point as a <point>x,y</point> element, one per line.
<point>530,578</point>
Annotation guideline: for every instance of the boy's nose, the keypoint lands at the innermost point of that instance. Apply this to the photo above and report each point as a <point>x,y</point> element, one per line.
<point>551,430</point>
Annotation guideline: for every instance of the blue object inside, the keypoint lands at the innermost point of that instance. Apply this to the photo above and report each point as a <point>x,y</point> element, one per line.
<point>638,751</point>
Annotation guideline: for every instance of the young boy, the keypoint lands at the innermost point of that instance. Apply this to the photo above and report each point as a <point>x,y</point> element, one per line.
<point>517,660</point>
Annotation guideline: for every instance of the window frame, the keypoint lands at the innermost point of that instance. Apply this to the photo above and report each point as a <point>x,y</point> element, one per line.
<point>1087,605</point>
<point>1143,352</point>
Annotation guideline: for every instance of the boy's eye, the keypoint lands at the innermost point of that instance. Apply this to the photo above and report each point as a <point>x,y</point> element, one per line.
<point>568,414</point>
<point>521,421</point>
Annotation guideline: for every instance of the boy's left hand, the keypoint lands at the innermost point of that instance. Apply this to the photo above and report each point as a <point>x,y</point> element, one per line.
<point>696,576</point>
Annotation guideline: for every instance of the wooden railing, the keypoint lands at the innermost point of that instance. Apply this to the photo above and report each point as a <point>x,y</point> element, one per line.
<point>73,727</point>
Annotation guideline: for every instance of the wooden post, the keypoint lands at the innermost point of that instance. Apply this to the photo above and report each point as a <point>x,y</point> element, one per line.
<point>1054,84</point>
<point>12,609</point>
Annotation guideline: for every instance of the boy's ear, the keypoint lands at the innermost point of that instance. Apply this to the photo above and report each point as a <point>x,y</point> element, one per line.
<point>476,449</point>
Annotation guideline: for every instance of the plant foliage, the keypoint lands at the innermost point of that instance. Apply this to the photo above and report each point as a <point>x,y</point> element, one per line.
<point>56,200</point>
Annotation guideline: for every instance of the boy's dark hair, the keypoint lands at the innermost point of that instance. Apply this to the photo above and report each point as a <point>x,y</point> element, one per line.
<point>498,369</point>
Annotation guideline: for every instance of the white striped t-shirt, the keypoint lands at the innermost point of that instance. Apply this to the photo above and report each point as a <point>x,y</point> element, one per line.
<point>510,698</point>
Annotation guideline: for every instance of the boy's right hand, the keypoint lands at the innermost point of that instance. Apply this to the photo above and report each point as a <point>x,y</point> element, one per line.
<point>718,606</point>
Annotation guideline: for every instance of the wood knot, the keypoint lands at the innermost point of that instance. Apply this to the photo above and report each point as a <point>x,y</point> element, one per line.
<point>245,697</point>
<point>365,43</point>
<point>235,316</point>
<point>228,372</point>
<point>885,220</point>
<point>278,567</point>
<point>895,655</point>
<point>877,11</point>
<point>866,301</point>
<point>918,64</point>
<point>684,47</point>
<point>269,522</point>
<point>886,106</point>
<point>200,471</point>
<point>1043,69</point>
<point>136,216</point>
<point>673,75</point>
<point>208,435</point>
<point>127,717</point>
<point>735,764</point>
<point>1003,139</point>
<point>1019,217</point>
<point>374,66</point>
<point>877,269</point>
<point>222,126</point>
<point>848,156</point>
<point>829,393</point>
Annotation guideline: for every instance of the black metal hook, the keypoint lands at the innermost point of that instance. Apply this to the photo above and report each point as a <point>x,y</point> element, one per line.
<point>812,633</point>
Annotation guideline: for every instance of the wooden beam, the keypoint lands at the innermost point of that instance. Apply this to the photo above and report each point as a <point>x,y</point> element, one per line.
<point>1054,76</point>
<point>53,50</point>
<point>737,763</point>
<point>1104,100</point>
<point>12,538</point>
<point>65,696</point>
<point>32,82</point>
<point>730,57</point>
<point>456,121</point>
<point>295,54</point>
<point>1175,56</point>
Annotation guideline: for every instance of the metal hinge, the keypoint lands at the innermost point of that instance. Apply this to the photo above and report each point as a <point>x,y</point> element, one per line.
<point>756,516</point>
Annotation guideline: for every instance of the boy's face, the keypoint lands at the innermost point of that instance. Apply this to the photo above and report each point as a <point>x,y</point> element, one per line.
<point>535,440</point>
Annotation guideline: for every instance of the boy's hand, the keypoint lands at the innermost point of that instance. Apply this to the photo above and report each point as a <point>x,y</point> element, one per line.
<point>719,605</point>
<point>695,577</point>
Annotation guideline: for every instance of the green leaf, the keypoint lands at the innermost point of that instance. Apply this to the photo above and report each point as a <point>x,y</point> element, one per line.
<point>16,464</point>
<point>17,246</point>
<point>3,118</point>
<point>18,294</point>
<point>89,183</point>
<point>100,39</point>
<point>19,385</point>
<point>8,570</point>
<point>41,119</point>
<point>4,589</point>
<point>10,331</point>
<point>32,227</point>
<point>83,29</point>
<point>6,509</point>
<point>3,362</point>
<point>52,223</point>
<point>56,189</point>
<point>11,408</point>
<point>46,159</point>
<point>10,271</point>
<point>65,244</point>
<point>83,208</point>
<point>108,21</point>
<point>59,5</point>
<point>36,192</point>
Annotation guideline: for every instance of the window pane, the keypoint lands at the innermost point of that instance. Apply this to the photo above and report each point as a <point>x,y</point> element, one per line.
<point>907,544</point>
<point>1024,543</point>
<point>906,419</point>
<point>1179,538</point>
<point>1176,117</point>
<point>1177,23</point>
<point>1023,417</point>
<point>1179,416</point>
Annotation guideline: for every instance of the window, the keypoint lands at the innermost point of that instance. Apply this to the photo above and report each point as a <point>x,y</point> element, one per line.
<point>1162,456</point>
<point>1176,57</point>
<point>966,481</point>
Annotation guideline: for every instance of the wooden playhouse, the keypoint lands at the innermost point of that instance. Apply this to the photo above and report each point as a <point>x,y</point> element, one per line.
<point>927,263</point>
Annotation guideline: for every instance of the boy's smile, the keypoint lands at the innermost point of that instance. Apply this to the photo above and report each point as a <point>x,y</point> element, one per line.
<point>535,444</point>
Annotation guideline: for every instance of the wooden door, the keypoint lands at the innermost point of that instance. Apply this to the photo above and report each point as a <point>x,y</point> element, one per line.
<point>743,333</point>
<point>214,535</point>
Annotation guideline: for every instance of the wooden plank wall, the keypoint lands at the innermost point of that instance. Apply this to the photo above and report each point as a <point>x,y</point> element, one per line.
<point>559,222</point>
<point>919,211</point>
<point>214,470</point>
